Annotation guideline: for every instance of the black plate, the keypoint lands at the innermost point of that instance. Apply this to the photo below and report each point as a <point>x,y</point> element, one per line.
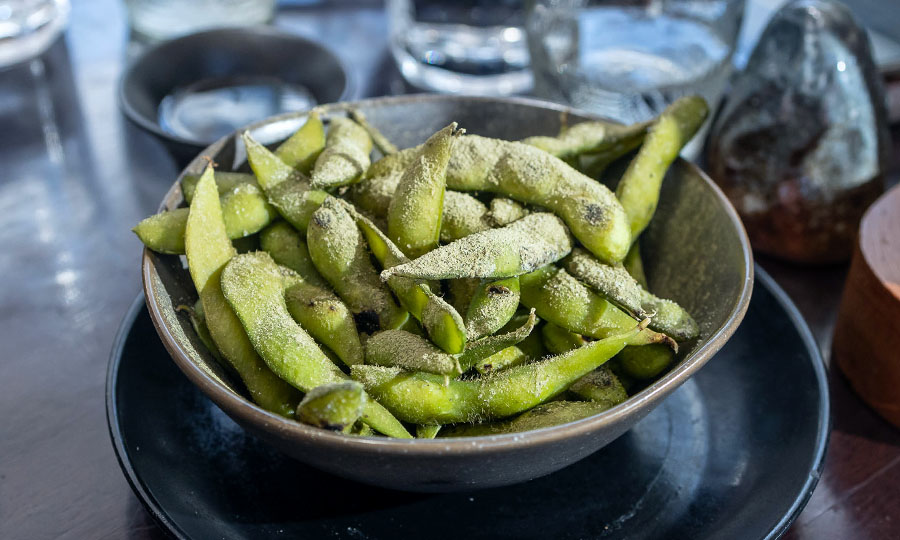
<point>734,453</point>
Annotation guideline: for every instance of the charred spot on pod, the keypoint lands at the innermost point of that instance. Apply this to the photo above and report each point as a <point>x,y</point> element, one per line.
<point>322,219</point>
<point>595,214</point>
<point>367,321</point>
<point>498,290</point>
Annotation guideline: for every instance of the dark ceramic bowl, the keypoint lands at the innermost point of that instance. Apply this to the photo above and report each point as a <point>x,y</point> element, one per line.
<point>225,54</point>
<point>695,250</point>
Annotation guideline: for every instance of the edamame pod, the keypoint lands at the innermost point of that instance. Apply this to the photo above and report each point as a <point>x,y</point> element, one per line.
<point>427,432</point>
<point>289,249</point>
<point>507,358</point>
<point>477,351</point>
<point>302,148</point>
<point>463,215</point>
<point>208,250</point>
<point>559,340</point>
<point>669,318</point>
<point>638,190</point>
<point>286,189</point>
<point>596,137</point>
<point>459,292</point>
<point>409,351</point>
<point>602,386</point>
<point>504,211</point>
<point>444,325</point>
<point>345,157</point>
<point>198,322</point>
<point>533,176</point>
<point>422,398</point>
<point>492,306</point>
<point>321,313</point>
<point>414,215</point>
<point>253,285</point>
<point>339,253</point>
<point>542,416</point>
<point>335,406</point>
<point>634,265</point>
<point>385,146</point>
<point>244,211</point>
<point>527,244</point>
<point>645,362</point>
<point>563,300</point>
<point>612,282</point>
<point>225,182</point>
<point>373,194</point>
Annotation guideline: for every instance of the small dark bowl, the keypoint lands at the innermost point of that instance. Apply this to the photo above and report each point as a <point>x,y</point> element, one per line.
<point>695,251</point>
<point>225,53</point>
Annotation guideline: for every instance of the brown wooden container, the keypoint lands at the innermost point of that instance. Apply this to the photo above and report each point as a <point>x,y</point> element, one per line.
<point>867,334</point>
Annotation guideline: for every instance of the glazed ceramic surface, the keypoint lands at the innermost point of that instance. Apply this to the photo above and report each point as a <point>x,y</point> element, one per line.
<point>695,252</point>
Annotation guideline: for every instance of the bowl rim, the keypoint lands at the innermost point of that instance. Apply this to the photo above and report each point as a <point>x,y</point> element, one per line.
<point>132,113</point>
<point>247,411</point>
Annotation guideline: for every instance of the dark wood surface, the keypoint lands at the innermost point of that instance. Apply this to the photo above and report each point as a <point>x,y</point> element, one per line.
<point>75,176</point>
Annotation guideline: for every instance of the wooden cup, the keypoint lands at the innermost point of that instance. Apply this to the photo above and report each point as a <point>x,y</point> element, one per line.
<point>867,334</point>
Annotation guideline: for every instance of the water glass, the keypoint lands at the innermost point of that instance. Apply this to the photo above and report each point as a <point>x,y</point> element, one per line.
<point>155,20</point>
<point>461,46</point>
<point>628,59</point>
<point>29,27</point>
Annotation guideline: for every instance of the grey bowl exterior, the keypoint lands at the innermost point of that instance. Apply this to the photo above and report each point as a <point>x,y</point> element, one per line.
<point>696,252</point>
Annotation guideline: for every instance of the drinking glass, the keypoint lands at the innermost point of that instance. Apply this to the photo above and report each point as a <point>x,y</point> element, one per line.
<point>461,46</point>
<point>29,27</point>
<point>155,20</point>
<point>628,59</point>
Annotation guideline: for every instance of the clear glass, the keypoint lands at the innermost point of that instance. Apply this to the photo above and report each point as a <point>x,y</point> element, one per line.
<point>28,27</point>
<point>155,20</point>
<point>628,59</point>
<point>461,47</point>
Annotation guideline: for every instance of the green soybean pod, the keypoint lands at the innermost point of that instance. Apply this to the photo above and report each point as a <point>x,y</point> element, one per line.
<point>638,190</point>
<point>558,340</point>
<point>563,300</point>
<point>423,398</point>
<point>476,351</point>
<point>339,253</point>
<point>504,211</point>
<point>593,137</point>
<point>670,318</point>
<point>612,282</point>
<point>532,176</point>
<point>334,406</point>
<point>302,148</point>
<point>244,211</point>
<point>289,249</point>
<point>492,306</point>
<point>208,250</point>
<point>533,241</point>
<point>634,265</point>
<point>414,215</point>
<point>409,351</point>
<point>287,190</point>
<point>384,145</point>
<point>444,325</point>
<point>549,414</point>
<point>321,313</point>
<point>345,157</point>
<point>602,386</point>
<point>646,362</point>
<point>374,192</point>
<point>463,215</point>
<point>225,181</point>
<point>254,287</point>
<point>427,432</point>
<point>198,322</point>
<point>506,358</point>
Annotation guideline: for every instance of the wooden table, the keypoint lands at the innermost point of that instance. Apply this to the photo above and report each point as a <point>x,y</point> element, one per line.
<point>75,176</point>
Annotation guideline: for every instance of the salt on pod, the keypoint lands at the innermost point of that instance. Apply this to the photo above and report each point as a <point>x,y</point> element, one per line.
<point>800,144</point>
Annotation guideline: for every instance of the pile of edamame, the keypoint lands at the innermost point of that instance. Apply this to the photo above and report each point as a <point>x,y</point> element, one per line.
<point>466,286</point>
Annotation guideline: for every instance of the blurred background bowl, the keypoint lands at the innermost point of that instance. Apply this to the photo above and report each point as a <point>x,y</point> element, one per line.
<point>695,252</point>
<point>261,70</point>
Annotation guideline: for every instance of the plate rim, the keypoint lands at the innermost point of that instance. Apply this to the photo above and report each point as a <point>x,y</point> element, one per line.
<point>823,427</point>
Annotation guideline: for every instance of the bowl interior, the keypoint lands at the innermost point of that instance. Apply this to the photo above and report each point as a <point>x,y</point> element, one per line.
<point>227,53</point>
<point>695,250</point>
